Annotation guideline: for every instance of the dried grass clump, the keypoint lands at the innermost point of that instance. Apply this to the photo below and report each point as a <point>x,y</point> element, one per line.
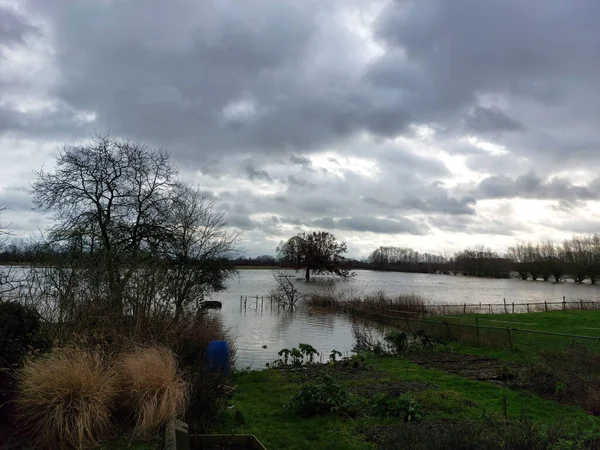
<point>67,397</point>
<point>153,389</point>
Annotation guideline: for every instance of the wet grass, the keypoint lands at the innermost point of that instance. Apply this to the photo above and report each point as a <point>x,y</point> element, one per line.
<point>257,406</point>
<point>525,346</point>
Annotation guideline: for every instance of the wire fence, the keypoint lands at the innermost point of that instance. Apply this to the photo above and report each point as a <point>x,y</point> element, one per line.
<point>509,337</point>
<point>509,307</point>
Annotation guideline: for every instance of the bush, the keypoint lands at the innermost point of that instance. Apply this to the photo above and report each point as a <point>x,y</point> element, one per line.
<point>324,397</point>
<point>153,388</point>
<point>67,397</point>
<point>19,337</point>
<point>404,407</point>
<point>207,397</point>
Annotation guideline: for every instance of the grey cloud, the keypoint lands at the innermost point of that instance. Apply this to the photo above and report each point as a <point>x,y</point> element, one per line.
<point>437,204</point>
<point>299,182</point>
<point>14,27</point>
<point>482,119</point>
<point>504,226</point>
<point>531,185</point>
<point>241,221</point>
<point>253,173</point>
<point>371,224</point>
<point>301,161</point>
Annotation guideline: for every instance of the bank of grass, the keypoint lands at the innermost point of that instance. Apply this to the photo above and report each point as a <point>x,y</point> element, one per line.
<point>258,407</point>
<point>525,346</point>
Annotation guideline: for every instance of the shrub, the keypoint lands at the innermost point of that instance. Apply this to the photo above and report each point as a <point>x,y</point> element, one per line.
<point>404,407</point>
<point>153,388</point>
<point>67,397</point>
<point>324,397</point>
<point>207,396</point>
<point>19,336</point>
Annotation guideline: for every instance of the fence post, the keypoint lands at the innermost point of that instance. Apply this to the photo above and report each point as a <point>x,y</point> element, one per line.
<point>465,309</point>
<point>447,329</point>
<point>513,309</point>
<point>564,303</point>
<point>490,305</point>
<point>505,310</point>
<point>528,307</point>
<point>546,305</point>
<point>477,325</point>
<point>509,339</point>
<point>581,304</point>
<point>423,311</point>
<point>444,309</point>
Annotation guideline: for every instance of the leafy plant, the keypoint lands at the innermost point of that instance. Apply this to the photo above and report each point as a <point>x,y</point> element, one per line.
<point>296,356</point>
<point>398,340</point>
<point>333,355</point>
<point>324,397</point>
<point>405,407</point>
<point>559,387</point>
<point>309,351</point>
<point>285,352</point>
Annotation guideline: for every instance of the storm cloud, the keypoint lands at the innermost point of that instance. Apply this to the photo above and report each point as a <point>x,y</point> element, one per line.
<point>384,121</point>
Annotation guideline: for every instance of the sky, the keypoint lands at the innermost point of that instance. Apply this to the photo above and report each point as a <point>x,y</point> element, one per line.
<point>436,125</point>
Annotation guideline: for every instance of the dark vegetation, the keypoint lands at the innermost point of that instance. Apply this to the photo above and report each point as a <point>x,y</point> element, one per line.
<point>116,286</point>
<point>318,253</point>
<point>577,258</point>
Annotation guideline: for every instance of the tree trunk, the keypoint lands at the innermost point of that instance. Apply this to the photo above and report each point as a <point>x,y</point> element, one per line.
<point>307,276</point>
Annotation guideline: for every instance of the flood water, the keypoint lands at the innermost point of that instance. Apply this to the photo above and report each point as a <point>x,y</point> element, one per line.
<point>262,324</point>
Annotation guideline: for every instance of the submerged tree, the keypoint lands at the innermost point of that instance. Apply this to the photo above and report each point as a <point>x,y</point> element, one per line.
<point>318,252</point>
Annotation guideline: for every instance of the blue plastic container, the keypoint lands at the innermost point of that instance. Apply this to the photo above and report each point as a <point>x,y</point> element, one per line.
<point>217,357</point>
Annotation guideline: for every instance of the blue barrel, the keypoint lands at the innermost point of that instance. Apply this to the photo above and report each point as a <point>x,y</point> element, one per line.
<point>217,357</point>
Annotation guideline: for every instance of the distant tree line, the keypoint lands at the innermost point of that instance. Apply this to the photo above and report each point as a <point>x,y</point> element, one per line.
<point>577,258</point>
<point>477,261</point>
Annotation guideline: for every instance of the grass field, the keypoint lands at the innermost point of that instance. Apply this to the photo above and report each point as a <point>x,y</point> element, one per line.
<point>525,345</point>
<point>258,406</point>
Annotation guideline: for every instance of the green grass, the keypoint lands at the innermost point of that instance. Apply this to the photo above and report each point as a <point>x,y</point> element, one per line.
<point>525,346</point>
<point>260,396</point>
<point>583,323</point>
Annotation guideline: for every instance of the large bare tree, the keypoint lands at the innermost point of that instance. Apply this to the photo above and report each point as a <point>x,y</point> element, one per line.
<point>144,235</point>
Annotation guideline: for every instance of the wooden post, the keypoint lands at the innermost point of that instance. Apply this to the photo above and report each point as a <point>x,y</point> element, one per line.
<point>505,310</point>
<point>528,307</point>
<point>509,339</point>
<point>444,309</point>
<point>513,307</point>
<point>465,309</point>
<point>448,329</point>
<point>423,311</point>
<point>477,325</point>
<point>504,409</point>
<point>546,305</point>
<point>490,305</point>
<point>581,304</point>
<point>564,303</point>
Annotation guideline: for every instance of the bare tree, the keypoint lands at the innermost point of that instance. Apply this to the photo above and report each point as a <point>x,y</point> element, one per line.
<point>197,249</point>
<point>143,242</point>
<point>10,278</point>
<point>285,292</point>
